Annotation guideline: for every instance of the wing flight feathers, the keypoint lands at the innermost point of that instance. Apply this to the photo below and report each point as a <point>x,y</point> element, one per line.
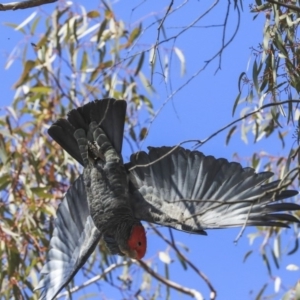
<point>189,191</point>
<point>74,239</point>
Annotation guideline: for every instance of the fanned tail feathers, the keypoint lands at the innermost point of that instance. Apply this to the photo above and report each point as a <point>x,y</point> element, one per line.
<point>108,113</point>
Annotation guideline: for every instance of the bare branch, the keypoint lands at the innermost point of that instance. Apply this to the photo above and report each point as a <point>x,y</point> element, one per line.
<point>206,63</point>
<point>24,4</point>
<point>158,35</point>
<point>246,116</point>
<point>290,6</point>
<point>94,279</point>
<point>200,143</point>
<point>194,293</point>
<point>213,292</point>
<point>163,156</point>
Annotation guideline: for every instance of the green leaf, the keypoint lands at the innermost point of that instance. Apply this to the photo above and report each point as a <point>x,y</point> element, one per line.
<point>29,65</point>
<point>93,14</point>
<point>101,29</point>
<point>231,131</point>
<point>41,89</point>
<point>240,80</point>
<point>134,34</point>
<point>5,181</point>
<point>247,255</point>
<point>13,25</point>
<point>84,62</point>
<point>295,248</point>
<point>41,192</point>
<point>181,58</point>
<point>140,64</point>
<point>182,261</point>
<point>236,102</point>
<point>42,41</point>
<point>255,73</point>
<point>275,259</point>
<point>281,137</point>
<point>292,294</point>
<point>34,25</point>
<point>132,134</point>
<point>143,133</point>
<point>260,293</point>
<point>267,263</point>
<point>149,88</point>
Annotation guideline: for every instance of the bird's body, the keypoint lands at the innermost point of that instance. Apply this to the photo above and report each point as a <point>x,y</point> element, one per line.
<point>174,187</point>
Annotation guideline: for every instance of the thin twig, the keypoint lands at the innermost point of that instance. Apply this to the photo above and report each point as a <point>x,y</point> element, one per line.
<point>290,6</point>
<point>224,33</point>
<point>163,156</point>
<point>194,293</point>
<point>201,143</point>
<point>213,292</point>
<point>246,116</point>
<point>24,4</point>
<point>158,36</point>
<point>207,62</point>
<point>94,279</point>
<point>244,225</point>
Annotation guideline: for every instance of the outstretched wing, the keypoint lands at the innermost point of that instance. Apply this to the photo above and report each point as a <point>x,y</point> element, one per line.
<point>74,239</point>
<point>108,113</point>
<point>192,192</point>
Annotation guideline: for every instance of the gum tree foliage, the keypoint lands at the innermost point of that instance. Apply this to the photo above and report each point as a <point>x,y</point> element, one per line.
<point>85,55</point>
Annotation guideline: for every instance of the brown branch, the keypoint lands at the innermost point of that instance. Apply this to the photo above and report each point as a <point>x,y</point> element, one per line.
<point>158,37</point>
<point>290,6</point>
<point>194,293</point>
<point>245,117</point>
<point>200,143</point>
<point>224,32</point>
<point>94,279</point>
<point>206,63</point>
<point>24,4</point>
<point>163,156</point>
<point>213,292</point>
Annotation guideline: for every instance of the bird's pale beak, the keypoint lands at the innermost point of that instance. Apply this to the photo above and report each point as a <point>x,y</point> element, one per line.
<point>130,253</point>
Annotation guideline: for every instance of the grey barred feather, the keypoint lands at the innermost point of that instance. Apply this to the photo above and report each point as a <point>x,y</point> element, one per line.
<point>108,113</point>
<point>75,236</point>
<point>73,241</point>
<point>182,189</point>
<point>189,191</point>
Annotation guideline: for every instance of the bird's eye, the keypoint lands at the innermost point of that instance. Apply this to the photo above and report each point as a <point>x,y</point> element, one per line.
<point>139,244</point>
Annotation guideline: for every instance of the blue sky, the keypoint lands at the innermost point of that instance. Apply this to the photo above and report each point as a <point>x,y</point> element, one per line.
<point>195,112</point>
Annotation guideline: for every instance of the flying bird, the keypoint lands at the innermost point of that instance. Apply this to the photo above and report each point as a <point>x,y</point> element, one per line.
<point>169,186</point>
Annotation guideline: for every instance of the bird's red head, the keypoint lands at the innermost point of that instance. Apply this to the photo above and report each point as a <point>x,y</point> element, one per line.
<point>137,241</point>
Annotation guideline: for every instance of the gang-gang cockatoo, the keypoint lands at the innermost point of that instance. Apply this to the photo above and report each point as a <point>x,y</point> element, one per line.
<point>173,187</point>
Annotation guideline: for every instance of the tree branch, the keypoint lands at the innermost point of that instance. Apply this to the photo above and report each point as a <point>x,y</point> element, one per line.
<point>200,143</point>
<point>290,6</point>
<point>213,292</point>
<point>24,4</point>
<point>194,293</point>
<point>94,279</point>
<point>245,117</point>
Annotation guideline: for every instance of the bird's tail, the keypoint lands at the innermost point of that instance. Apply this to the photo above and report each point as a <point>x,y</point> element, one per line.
<point>108,113</point>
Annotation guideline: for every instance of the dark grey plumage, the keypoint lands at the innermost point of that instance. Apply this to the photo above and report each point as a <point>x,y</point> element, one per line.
<point>192,192</point>
<point>106,185</point>
<point>108,113</point>
<point>182,189</point>
<point>100,191</point>
<point>74,228</point>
